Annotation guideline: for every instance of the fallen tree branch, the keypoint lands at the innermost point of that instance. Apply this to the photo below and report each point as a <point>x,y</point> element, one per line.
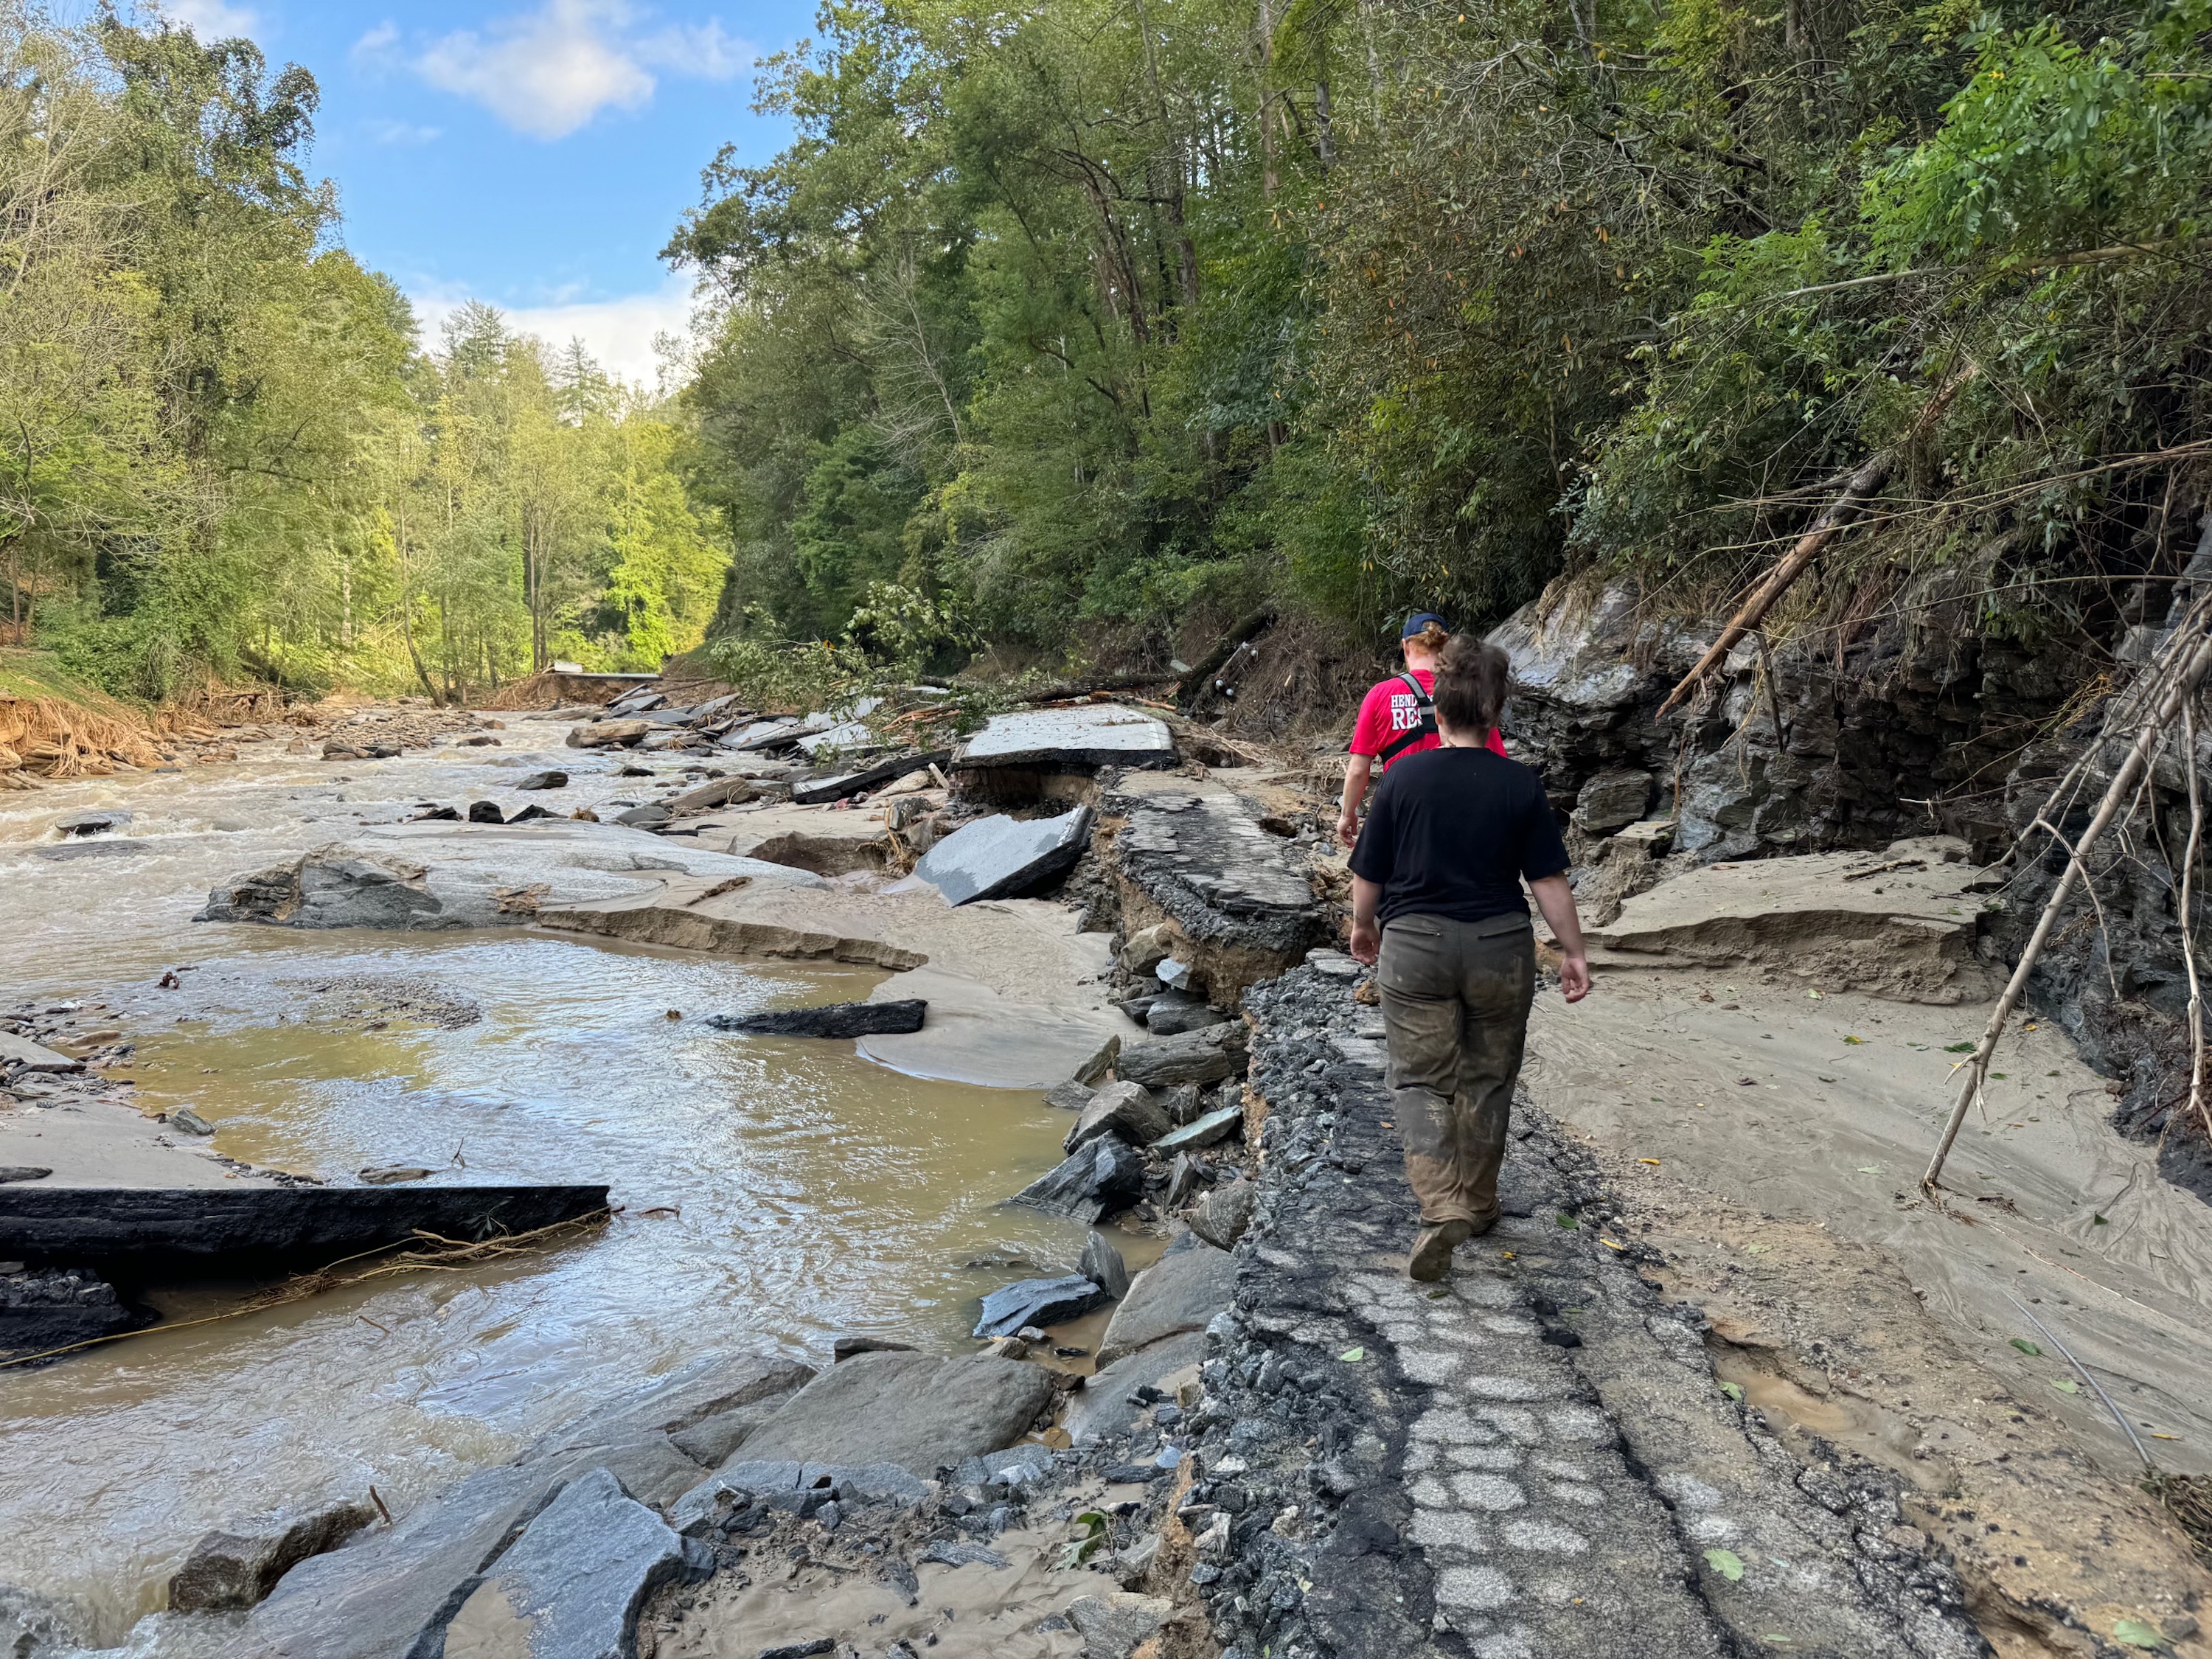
<point>2188,927</point>
<point>1067,689</point>
<point>1871,477</point>
<point>2190,647</point>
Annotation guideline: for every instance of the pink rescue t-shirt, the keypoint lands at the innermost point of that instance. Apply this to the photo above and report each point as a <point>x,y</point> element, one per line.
<point>1388,710</point>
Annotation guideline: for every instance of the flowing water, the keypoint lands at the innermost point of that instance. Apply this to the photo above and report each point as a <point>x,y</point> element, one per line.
<point>774,1192</point>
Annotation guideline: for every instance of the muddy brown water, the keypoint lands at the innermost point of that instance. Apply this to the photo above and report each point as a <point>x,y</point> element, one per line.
<point>775,1193</point>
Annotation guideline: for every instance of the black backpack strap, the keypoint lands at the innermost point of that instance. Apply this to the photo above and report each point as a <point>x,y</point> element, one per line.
<point>1405,740</point>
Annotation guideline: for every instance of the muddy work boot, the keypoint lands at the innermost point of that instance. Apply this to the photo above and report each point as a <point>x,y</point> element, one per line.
<point>1433,1248</point>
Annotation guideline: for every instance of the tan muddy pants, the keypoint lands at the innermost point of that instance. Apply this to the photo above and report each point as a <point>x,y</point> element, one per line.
<point>1455,998</point>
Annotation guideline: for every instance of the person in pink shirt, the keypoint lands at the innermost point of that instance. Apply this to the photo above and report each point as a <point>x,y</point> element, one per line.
<point>1398,717</point>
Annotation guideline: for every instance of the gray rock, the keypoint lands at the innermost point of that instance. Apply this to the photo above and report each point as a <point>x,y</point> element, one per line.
<point>331,887</point>
<point>650,1465</point>
<point>1002,857</point>
<point>1100,1066</point>
<point>1203,1056</point>
<point>1078,740</point>
<point>1070,1096</point>
<point>651,816</point>
<point>1113,1625</point>
<point>1187,1177</point>
<point>845,1347</point>
<point>391,1592</point>
<point>1105,1405</point>
<point>574,1583</point>
<point>712,1441</point>
<point>609,734</point>
<point>1612,800</point>
<point>485,812</point>
<point>545,780</point>
<point>707,1386</point>
<point>1127,1109</point>
<point>13,1172</point>
<point>236,1569</point>
<point>1096,1178</point>
<point>92,823</point>
<point>33,1627</point>
<point>1102,1266</point>
<point>836,1019</point>
<point>1179,1292</point>
<point>1037,1302</point>
<point>1184,1104</point>
<point>190,1121</point>
<point>718,791</point>
<point>1147,948</point>
<point>1222,1214</point>
<point>1007,1471</point>
<point>1215,1127</point>
<point>1174,1011</point>
<point>915,1410</point>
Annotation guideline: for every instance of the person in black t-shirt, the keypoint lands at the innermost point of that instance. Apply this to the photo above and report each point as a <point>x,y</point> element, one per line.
<point>1435,895</point>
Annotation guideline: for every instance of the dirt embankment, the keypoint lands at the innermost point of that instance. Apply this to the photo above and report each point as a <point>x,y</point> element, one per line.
<point>53,727</point>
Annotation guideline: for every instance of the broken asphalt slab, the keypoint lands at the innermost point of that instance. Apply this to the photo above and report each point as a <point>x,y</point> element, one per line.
<point>1078,740</point>
<point>1002,857</point>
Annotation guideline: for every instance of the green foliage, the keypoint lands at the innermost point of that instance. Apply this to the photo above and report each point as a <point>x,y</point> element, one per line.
<point>221,450</point>
<point>1128,316</point>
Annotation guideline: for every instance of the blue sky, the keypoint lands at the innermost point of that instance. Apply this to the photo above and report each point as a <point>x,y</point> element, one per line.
<point>534,154</point>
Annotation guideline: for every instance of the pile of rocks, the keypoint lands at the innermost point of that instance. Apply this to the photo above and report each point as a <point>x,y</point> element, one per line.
<point>381,733</point>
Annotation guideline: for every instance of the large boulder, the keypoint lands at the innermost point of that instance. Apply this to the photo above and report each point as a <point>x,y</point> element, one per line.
<point>1127,1109</point>
<point>1612,800</point>
<point>574,1583</point>
<point>1210,1054</point>
<point>1222,1214</point>
<point>391,1592</point>
<point>1217,1124</point>
<point>1180,1292</point>
<point>236,1569</point>
<point>1001,857</point>
<point>1102,1175</point>
<point>918,1411</point>
<point>705,1388</point>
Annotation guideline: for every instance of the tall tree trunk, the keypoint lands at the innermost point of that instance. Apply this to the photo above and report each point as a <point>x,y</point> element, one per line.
<point>1324,129</point>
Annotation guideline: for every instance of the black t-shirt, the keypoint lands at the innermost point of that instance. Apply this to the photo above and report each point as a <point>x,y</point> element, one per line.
<point>1452,833</point>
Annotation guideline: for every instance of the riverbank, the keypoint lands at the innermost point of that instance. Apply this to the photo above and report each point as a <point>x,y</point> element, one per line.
<point>1653,1406</point>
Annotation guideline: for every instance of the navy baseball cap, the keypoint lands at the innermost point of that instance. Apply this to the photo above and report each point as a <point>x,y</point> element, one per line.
<point>1419,620</point>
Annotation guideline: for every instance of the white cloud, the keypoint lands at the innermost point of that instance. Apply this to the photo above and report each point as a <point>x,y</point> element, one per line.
<point>212,20</point>
<point>547,73</point>
<point>619,333</point>
<point>379,48</point>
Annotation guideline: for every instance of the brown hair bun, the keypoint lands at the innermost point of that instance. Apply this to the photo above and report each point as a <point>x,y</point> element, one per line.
<point>1471,679</point>
<point>1432,639</point>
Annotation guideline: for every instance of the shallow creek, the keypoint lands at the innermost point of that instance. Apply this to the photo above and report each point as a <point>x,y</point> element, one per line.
<point>774,1192</point>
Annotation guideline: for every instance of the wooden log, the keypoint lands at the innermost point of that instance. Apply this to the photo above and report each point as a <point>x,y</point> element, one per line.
<point>1872,474</point>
